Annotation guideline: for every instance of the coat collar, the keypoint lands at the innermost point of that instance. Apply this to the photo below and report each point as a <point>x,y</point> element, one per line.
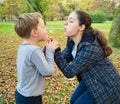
<point>88,39</point>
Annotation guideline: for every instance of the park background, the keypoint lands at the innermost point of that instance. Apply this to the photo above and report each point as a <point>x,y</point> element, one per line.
<point>105,15</point>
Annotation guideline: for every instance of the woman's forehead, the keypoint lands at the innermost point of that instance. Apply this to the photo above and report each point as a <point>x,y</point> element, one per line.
<point>73,15</point>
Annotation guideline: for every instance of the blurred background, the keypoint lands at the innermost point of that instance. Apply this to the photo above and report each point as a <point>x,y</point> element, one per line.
<point>105,15</point>
<point>53,10</point>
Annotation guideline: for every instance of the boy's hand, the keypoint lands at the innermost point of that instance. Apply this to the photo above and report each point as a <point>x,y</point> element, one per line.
<point>50,39</point>
<point>53,44</point>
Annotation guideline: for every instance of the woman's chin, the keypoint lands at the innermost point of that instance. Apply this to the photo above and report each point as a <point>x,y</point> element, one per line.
<point>65,34</point>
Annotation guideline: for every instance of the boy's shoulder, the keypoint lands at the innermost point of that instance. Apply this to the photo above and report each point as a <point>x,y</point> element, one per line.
<point>28,48</point>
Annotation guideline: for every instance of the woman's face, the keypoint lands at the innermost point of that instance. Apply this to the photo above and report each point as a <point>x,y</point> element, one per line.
<point>72,25</point>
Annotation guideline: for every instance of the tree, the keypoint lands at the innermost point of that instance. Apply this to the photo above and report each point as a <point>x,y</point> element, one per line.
<point>41,6</point>
<point>114,37</point>
<point>54,12</point>
<point>106,6</point>
<point>8,8</point>
<point>63,9</point>
<point>13,7</point>
<point>23,6</point>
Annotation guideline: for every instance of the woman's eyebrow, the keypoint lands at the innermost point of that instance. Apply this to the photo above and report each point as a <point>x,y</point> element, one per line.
<point>70,18</point>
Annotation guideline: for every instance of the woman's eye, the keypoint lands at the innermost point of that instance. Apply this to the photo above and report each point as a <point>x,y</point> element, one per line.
<point>71,21</point>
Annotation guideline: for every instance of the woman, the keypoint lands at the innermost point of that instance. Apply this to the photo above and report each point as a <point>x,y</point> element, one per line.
<point>85,56</point>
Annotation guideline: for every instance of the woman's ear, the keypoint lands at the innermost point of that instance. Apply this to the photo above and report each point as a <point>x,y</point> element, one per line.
<point>34,33</point>
<point>82,27</point>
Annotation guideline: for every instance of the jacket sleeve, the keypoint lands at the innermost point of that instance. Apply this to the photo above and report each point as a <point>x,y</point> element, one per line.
<point>83,59</point>
<point>67,51</point>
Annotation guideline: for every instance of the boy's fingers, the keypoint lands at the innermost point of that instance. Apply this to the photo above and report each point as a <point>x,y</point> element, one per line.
<point>51,38</point>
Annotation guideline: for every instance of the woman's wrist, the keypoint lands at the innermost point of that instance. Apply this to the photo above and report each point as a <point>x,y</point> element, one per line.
<point>57,49</point>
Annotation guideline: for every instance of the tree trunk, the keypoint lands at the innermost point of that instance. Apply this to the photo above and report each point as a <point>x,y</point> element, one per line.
<point>114,37</point>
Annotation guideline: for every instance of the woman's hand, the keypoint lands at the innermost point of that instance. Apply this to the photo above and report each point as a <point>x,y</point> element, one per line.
<point>52,44</point>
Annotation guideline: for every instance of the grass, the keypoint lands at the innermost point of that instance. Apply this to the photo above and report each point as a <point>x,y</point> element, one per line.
<point>58,88</point>
<point>6,28</point>
<point>103,26</point>
<point>55,24</point>
<point>60,24</point>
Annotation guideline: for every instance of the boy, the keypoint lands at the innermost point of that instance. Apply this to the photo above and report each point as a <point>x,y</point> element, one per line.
<point>32,63</point>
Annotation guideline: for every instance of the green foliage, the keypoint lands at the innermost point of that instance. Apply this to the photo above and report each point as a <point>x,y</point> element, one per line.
<point>114,37</point>
<point>109,17</point>
<point>57,9</point>
<point>2,99</point>
<point>98,17</point>
<point>41,6</point>
<point>13,7</point>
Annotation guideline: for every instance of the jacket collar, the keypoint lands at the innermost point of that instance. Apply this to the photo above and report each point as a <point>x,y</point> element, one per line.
<point>88,39</point>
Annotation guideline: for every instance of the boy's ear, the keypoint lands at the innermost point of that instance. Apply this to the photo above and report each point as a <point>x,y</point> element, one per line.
<point>33,33</point>
<point>82,27</point>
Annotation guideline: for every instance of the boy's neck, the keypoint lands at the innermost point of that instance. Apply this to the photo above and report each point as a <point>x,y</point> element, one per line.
<point>33,42</point>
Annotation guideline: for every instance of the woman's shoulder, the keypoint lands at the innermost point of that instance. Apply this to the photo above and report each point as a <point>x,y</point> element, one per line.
<point>91,50</point>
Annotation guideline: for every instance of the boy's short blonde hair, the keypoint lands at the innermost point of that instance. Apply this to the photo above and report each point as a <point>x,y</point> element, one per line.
<point>25,23</point>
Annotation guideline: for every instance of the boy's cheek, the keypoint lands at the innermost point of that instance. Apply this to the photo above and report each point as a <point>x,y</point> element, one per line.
<point>46,37</point>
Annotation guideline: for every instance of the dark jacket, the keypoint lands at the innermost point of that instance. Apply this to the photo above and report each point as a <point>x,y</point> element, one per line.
<point>93,67</point>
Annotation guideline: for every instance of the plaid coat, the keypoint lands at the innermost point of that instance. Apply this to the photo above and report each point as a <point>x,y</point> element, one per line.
<point>93,67</point>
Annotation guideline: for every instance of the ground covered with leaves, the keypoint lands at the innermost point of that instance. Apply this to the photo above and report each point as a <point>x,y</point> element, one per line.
<point>58,88</point>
